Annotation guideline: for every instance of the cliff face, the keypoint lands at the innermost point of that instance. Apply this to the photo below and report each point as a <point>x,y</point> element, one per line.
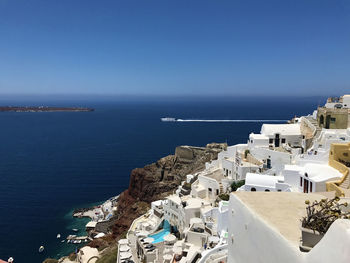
<point>159,179</point>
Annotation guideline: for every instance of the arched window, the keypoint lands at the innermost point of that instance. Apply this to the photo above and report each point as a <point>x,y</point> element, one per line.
<point>267,190</point>
<point>253,189</point>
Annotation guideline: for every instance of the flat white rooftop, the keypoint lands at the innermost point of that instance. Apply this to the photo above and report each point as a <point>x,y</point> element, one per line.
<point>283,129</point>
<point>316,172</point>
<point>281,210</point>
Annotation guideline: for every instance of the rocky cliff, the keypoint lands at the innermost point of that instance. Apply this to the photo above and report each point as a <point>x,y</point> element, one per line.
<point>159,179</point>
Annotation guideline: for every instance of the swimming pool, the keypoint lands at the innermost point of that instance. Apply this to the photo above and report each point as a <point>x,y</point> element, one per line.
<point>159,237</point>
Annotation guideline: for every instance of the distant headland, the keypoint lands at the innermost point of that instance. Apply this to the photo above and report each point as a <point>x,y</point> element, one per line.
<point>42,109</point>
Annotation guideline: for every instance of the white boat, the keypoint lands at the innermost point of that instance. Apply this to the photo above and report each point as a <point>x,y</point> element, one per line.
<point>41,249</point>
<point>63,241</point>
<point>167,119</point>
<point>58,236</point>
<point>75,230</point>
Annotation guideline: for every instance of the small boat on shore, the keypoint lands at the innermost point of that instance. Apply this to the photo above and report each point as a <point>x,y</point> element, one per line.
<point>41,249</point>
<point>58,236</point>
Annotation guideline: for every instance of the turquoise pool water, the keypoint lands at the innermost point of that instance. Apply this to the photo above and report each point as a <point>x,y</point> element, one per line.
<point>159,237</point>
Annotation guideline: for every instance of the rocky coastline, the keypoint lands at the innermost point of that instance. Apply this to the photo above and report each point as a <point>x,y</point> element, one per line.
<point>43,109</point>
<point>150,183</point>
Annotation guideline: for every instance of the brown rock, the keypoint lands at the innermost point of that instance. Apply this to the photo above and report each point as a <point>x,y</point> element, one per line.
<point>158,180</point>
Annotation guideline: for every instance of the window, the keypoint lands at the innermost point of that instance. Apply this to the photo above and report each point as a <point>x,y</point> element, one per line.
<point>279,190</point>
<point>270,140</point>
<point>301,181</point>
<point>251,141</point>
<point>283,140</point>
<point>253,189</point>
<point>345,154</point>
<point>209,189</point>
<point>333,120</point>
<point>217,191</point>
<point>267,190</point>
<point>306,175</point>
<point>310,187</point>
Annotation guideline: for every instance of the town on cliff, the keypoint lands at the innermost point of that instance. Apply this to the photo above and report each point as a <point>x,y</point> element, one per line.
<point>280,197</point>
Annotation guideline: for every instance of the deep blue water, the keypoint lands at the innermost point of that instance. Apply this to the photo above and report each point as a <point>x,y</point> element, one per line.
<point>51,163</point>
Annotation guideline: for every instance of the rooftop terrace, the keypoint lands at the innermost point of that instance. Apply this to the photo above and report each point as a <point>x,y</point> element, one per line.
<point>281,210</point>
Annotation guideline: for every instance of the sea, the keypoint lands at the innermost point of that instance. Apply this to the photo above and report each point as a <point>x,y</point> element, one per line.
<point>54,162</point>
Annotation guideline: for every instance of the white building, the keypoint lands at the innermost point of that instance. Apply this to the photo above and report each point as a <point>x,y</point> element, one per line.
<point>341,102</point>
<point>179,211</point>
<point>266,183</point>
<point>279,134</point>
<point>311,177</point>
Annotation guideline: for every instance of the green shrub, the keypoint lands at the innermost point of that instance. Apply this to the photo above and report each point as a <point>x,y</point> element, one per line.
<point>186,186</point>
<point>237,184</point>
<point>72,256</point>
<point>224,197</point>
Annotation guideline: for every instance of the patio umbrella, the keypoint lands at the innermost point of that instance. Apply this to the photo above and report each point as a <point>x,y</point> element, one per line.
<point>149,240</point>
<point>179,243</point>
<point>167,257</point>
<point>142,234</point>
<point>170,238</point>
<point>124,248</point>
<point>123,242</point>
<point>177,250</point>
<point>125,255</point>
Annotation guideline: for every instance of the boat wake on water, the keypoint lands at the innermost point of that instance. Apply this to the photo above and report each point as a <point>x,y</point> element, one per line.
<point>168,119</point>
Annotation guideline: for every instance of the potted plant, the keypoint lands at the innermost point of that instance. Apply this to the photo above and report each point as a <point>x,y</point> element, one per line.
<point>320,215</point>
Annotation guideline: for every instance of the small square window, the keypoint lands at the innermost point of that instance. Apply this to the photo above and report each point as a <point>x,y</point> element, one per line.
<point>283,140</point>
<point>270,140</point>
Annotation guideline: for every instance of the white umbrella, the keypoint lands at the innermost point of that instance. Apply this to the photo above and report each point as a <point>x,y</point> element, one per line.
<point>167,250</point>
<point>142,234</point>
<point>167,257</point>
<point>177,250</point>
<point>179,243</point>
<point>170,238</point>
<point>148,240</point>
<point>124,248</point>
<point>125,255</point>
<point>123,242</point>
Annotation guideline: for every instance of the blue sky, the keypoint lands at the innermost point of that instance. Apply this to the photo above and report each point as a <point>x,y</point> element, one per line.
<point>177,47</point>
